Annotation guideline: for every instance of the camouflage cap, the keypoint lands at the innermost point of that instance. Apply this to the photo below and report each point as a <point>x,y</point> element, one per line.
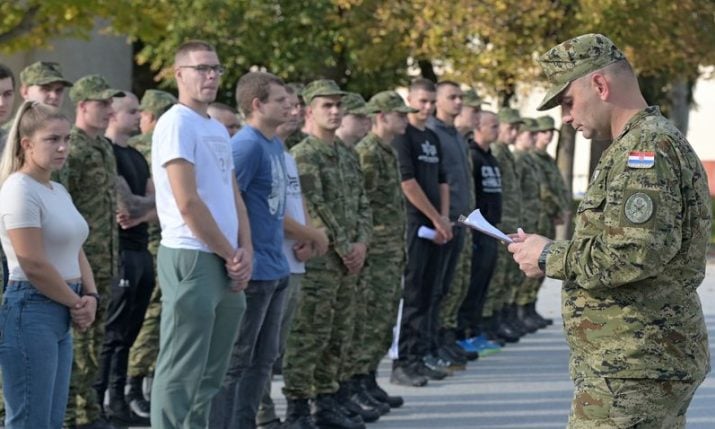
<point>545,123</point>
<point>472,99</point>
<point>388,101</point>
<point>528,124</point>
<point>157,102</point>
<point>320,88</point>
<point>573,59</point>
<point>93,87</point>
<point>43,73</point>
<point>354,104</point>
<point>509,116</point>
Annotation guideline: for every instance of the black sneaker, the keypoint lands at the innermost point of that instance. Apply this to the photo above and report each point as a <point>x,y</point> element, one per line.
<point>431,368</point>
<point>405,375</point>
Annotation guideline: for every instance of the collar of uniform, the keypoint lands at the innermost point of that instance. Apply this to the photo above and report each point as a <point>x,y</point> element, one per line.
<point>97,140</point>
<point>384,145</point>
<point>322,147</point>
<point>637,119</point>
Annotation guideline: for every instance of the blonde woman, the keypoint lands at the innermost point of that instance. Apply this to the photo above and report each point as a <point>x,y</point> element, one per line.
<point>50,283</point>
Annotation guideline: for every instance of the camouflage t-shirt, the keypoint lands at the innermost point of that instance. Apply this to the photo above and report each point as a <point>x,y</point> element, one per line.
<point>629,299</point>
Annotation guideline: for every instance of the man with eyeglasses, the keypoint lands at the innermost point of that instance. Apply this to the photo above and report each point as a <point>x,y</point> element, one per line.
<point>205,258</point>
<point>90,176</point>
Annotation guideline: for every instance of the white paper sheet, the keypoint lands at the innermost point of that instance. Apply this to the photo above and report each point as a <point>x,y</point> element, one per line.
<point>476,221</point>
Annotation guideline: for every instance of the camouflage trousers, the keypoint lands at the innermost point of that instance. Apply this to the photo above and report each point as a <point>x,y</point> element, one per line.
<point>142,356</point>
<point>351,364</point>
<point>460,286</point>
<point>83,405</point>
<point>605,403</point>
<point>504,284</point>
<point>383,290</point>
<point>319,339</point>
<point>528,291</point>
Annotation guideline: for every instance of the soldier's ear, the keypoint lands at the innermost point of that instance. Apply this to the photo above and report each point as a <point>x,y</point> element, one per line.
<point>600,84</point>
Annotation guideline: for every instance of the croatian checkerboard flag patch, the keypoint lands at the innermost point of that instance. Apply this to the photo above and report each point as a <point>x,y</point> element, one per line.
<point>641,159</point>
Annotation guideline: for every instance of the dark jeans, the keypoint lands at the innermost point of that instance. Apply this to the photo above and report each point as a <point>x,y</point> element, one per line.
<point>254,352</point>
<point>130,298</point>
<point>484,257</point>
<point>422,277</point>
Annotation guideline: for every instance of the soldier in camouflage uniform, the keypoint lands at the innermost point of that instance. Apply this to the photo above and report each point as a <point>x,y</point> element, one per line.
<point>555,198</point>
<point>530,180</point>
<point>142,356</point>
<point>386,261</point>
<point>90,176</point>
<point>319,338</point>
<point>497,311</point>
<point>633,319</point>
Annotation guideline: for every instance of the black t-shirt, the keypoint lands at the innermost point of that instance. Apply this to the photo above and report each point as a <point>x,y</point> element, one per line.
<point>133,167</point>
<point>487,183</point>
<point>420,157</point>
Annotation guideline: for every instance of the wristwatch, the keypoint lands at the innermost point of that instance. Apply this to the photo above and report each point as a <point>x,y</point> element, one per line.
<point>94,295</point>
<point>542,257</point>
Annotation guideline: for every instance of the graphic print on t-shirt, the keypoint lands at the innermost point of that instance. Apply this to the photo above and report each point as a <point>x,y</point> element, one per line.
<point>277,198</point>
<point>491,179</point>
<point>429,153</point>
<point>221,152</point>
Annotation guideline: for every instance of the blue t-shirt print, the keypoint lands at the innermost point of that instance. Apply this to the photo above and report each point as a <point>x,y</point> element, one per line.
<point>261,175</point>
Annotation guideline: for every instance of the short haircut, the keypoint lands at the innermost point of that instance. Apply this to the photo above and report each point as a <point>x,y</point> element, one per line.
<point>5,73</point>
<point>422,84</point>
<point>254,85</point>
<point>191,46</point>
<point>444,83</point>
<point>222,106</point>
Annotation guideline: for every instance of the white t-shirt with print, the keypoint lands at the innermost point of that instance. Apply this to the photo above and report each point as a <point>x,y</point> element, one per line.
<point>294,209</point>
<point>181,133</point>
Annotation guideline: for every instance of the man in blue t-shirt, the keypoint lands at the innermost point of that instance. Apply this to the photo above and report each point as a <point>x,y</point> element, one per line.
<point>260,171</point>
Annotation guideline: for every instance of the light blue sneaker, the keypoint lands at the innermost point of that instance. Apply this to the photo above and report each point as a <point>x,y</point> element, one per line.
<point>483,346</point>
<point>467,346</point>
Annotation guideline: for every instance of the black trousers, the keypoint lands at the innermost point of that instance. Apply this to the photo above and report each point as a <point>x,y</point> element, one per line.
<point>130,298</point>
<point>484,257</point>
<point>422,277</point>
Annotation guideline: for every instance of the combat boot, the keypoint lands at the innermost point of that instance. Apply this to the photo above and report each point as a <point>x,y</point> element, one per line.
<point>449,341</point>
<point>377,392</point>
<point>491,326</point>
<point>327,414</point>
<point>510,318</point>
<point>362,397</point>
<point>544,321</point>
<point>118,411</point>
<point>522,315</point>
<point>298,415</point>
<point>504,330</point>
<point>407,375</point>
<point>353,408</point>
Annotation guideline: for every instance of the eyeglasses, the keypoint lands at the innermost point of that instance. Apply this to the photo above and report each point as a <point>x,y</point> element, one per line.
<point>205,68</point>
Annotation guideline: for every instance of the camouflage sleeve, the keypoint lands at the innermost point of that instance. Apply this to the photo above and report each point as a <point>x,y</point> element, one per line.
<point>370,170</point>
<point>640,231</point>
<point>364,232</point>
<point>312,188</point>
<point>548,191</point>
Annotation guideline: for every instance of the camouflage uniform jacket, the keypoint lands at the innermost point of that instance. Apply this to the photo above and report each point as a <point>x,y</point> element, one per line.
<point>333,190</point>
<point>558,199</point>
<point>142,143</point>
<point>629,299</point>
<point>383,189</point>
<point>90,176</point>
<point>510,186</point>
<point>530,184</point>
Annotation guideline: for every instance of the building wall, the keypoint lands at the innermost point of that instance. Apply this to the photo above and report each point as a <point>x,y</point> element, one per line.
<point>108,55</point>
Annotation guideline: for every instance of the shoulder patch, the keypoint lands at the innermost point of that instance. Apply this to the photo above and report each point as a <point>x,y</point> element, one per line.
<point>638,159</point>
<point>639,208</point>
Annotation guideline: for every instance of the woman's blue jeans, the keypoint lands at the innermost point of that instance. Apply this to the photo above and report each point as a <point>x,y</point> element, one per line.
<point>35,357</point>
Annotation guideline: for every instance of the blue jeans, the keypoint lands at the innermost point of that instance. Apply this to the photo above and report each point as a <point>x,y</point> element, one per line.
<point>35,356</point>
<point>255,350</point>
